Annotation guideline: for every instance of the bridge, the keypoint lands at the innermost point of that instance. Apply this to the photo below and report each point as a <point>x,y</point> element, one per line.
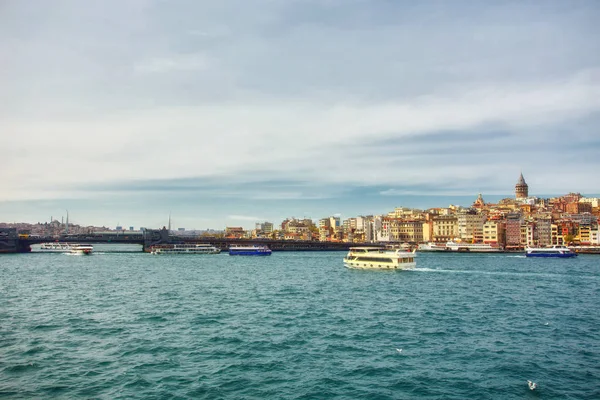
<point>11,242</point>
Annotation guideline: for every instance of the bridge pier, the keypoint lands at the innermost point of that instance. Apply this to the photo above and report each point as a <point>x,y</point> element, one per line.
<point>9,242</point>
<point>153,237</point>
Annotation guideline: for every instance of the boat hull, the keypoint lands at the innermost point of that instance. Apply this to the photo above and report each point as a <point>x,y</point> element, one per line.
<point>433,250</point>
<point>183,252</point>
<point>468,250</point>
<point>378,266</point>
<point>249,253</point>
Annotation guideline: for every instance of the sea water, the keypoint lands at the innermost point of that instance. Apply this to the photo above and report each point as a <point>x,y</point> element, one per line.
<point>298,325</point>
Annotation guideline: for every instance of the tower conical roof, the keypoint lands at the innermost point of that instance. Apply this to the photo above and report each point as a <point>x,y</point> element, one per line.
<point>521,180</point>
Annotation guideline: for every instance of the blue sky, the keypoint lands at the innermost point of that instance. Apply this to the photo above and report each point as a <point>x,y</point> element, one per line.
<point>231,112</point>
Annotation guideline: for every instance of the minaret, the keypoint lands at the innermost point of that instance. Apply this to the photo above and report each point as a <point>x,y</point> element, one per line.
<point>521,189</point>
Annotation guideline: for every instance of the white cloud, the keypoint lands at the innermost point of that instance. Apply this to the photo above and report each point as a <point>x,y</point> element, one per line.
<point>305,140</point>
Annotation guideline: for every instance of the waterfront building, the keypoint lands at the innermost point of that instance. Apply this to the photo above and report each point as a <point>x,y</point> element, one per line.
<point>445,228</point>
<point>470,226</point>
<point>556,235</point>
<point>381,229</point>
<point>513,230</point>
<point>543,227</point>
<point>494,232</point>
<point>375,231</point>
<point>359,228</point>
<point>406,231</point>
<point>521,189</point>
<point>428,228</point>
<point>528,234</point>
<point>595,236</point>
<point>584,234</point>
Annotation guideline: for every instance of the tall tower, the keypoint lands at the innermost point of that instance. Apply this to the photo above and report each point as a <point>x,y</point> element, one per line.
<point>521,189</point>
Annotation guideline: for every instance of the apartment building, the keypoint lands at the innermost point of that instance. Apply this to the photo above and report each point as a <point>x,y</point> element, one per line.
<point>556,235</point>
<point>445,228</point>
<point>470,226</point>
<point>513,230</point>
<point>406,231</point>
<point>494,232</point>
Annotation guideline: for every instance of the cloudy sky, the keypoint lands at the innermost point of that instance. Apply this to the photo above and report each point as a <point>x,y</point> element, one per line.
<point>229,112</point>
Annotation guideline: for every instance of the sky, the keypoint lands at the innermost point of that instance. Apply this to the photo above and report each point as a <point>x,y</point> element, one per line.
<point>231,112</point>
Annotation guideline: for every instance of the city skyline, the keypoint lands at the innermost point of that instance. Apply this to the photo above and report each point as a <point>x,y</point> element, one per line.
<point>249,222</point>
<point>239,112</point>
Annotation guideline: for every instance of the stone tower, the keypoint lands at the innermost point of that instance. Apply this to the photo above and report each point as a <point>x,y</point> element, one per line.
<point>521,189</point>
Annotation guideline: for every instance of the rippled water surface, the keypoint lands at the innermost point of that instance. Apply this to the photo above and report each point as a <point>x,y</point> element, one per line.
<point>298,326</point>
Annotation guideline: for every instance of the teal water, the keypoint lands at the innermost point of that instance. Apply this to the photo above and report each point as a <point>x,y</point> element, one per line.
<point>298,326</point>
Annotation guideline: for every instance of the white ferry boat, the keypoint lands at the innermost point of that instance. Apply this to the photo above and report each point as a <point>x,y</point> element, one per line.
<point>56,247</point>
<point>378,258</point>
<point>432,247</point>
<point>554,251</point>
<point>84,249</point>
<point>473,247</point>
<point>201,248</point>
<point>249,250</point>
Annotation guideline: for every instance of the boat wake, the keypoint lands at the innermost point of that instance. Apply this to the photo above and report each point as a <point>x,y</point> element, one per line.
<point>419,269</point>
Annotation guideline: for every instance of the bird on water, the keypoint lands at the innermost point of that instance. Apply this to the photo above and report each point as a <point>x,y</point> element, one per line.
<point>532,385</point>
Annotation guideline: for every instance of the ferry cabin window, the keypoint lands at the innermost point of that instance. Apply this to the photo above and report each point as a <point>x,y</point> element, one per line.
<point>374,259</point>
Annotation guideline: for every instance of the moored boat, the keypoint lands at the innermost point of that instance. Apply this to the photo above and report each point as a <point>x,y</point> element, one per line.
<point>85,249</point>
<point>202,248</point>
<point>430,246</point>
<point>379,258</point>
<point>473,247</point>
<point>249,250</point>
<point>554,251</point>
